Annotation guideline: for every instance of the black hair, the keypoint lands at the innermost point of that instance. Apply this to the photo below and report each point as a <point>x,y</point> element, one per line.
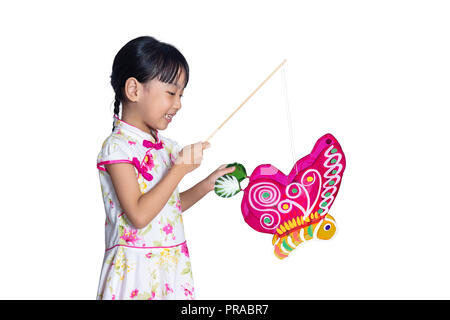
<point>145,58</point>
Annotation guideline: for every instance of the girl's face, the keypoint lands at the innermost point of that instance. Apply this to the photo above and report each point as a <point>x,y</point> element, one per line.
<point>160,101</point>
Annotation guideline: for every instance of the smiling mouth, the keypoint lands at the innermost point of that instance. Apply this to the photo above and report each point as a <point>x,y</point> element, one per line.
<point>169,116</point>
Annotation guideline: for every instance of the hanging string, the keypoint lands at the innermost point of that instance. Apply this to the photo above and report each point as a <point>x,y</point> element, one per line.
<point>288,114</point>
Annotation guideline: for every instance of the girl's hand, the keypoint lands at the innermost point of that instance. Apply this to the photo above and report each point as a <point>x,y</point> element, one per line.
<point>190,157</point>
<point>211,179</point>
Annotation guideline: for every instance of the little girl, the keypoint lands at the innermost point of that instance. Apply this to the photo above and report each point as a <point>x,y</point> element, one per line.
<point>146,254</point>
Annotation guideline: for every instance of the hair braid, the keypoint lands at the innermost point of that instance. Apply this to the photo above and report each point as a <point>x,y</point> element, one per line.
<point>116,107</point>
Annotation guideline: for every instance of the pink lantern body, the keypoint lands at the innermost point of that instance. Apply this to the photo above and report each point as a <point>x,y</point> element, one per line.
<point>295,207</point>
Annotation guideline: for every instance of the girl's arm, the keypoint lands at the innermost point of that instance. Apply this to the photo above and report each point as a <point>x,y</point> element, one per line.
<point>140,208</point>
<point>192,195</point>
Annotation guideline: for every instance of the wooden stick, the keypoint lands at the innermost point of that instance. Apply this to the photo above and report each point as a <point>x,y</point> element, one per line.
<point>273,72</point>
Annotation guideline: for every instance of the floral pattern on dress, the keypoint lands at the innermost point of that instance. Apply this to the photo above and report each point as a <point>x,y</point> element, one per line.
<point>152,262</point>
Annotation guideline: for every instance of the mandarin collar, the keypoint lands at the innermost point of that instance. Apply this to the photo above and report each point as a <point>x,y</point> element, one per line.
<point>148,139</point>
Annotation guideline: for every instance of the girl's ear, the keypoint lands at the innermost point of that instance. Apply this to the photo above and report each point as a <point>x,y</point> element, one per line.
<point>132,89</point>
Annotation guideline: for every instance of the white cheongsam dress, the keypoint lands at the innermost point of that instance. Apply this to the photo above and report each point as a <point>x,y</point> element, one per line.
<point>152,262</point>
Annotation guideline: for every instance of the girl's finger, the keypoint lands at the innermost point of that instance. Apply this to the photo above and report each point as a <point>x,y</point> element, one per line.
<point>230,169</point>
<point>206,145</point>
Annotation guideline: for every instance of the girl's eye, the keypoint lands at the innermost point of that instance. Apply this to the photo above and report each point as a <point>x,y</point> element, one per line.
<point>173,93</point>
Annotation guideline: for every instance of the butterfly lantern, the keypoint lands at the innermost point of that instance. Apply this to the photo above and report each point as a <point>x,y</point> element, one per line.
<point>295,207</point>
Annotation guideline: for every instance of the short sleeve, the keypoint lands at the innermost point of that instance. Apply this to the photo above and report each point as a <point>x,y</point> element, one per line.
<point>113,150</point>
<point>174,149</point>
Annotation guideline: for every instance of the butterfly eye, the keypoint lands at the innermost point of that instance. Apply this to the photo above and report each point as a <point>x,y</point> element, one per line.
<point>328,141</point>
<point>327,227</point>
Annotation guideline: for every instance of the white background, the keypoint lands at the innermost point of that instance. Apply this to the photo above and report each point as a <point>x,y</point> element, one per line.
<point>373,73</point>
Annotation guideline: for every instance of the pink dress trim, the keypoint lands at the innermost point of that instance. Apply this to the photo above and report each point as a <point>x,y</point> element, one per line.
<point>101,166</point>
<point>124,245</point>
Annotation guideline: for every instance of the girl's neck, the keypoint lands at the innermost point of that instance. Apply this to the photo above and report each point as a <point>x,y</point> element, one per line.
<point>135,121</point>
